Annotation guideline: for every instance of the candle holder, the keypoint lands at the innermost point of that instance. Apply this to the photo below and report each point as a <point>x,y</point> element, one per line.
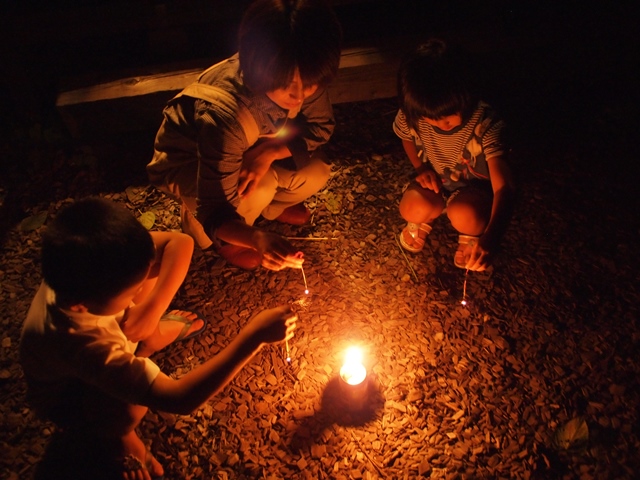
<point>353,380</point>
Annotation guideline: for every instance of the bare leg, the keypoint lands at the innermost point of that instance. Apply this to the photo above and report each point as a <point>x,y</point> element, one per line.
<point>148,284</point>
<point>114,424</point>
<point>420,205</point>
<point>469,211</point>
<point>98,440</point>
<point>167,332</point>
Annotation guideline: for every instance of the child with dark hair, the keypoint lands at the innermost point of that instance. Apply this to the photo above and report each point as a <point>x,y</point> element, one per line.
<point>456,143</point>
<point>99,314</point>
<point>244,140</point>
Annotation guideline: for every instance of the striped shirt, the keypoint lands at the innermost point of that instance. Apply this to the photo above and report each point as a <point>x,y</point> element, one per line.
<point>458,156</point>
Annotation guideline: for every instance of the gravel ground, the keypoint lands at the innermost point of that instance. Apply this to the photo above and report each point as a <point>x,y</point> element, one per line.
<point>536,377</point>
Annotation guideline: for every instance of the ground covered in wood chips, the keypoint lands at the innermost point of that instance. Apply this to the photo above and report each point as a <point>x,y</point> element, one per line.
<point>536,377</point>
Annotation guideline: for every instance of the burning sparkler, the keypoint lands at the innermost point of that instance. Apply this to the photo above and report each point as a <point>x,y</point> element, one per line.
<point>303,302</point>
<point>464,288</point>
<point>304,277</point>
<point>286,344</point>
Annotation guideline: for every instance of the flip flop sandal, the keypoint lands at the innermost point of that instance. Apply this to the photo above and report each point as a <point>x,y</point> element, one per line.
<point>187,325</point>
<point>417,233</point>
<point>459,260</point>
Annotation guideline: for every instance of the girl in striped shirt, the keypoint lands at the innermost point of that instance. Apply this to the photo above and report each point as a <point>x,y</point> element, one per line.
<point>455,142</point>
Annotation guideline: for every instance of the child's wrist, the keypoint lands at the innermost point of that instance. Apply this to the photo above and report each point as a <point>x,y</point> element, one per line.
<point>252,340</point>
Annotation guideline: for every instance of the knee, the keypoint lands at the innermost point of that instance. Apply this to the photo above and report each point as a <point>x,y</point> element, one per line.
<point>415,207</point>
<point>319,172</point>
<point>268,183</point>
<point>466,218</point>
<point>314,175</point>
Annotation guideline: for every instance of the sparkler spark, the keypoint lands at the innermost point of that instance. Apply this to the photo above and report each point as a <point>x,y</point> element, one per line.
<point>286,344</point>
<point>302,302</point>
<point>464,288</point>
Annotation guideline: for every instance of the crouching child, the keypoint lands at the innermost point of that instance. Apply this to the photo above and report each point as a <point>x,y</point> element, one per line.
<point>99,313</point>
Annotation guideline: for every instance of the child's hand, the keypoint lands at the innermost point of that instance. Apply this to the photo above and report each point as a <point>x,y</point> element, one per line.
<point>427,178</point>
<point>479,256</point>
<point>273,325</point>
<point>255,164</point>
<point>277,252</point>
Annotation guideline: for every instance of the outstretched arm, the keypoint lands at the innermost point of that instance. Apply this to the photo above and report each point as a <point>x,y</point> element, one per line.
<point>187,393</point>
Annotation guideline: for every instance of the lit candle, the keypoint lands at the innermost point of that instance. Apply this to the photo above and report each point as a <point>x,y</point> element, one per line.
<point>353,372</point>
<point>354,380</point>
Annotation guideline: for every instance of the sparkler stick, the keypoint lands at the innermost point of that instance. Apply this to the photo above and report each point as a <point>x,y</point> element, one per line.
<point>415,275</point>
<point>464,288</point>
<point>286,344</point>
<point>300,302</point>
<point>312,239</point>
<point>304,277</point>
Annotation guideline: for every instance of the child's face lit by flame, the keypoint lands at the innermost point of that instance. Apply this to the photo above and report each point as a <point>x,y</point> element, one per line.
<point>445,123</point>
<point>292,96</point>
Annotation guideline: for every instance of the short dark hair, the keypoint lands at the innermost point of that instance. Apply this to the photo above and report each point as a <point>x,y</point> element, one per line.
<point>433,83</point>
<point>278,36</point>
<point>93,250</point>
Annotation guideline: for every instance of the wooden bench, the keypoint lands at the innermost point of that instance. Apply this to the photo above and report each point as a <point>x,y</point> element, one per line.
<point>135,102</point>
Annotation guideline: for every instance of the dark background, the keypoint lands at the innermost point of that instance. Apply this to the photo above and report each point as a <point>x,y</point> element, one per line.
<point>562,73</point>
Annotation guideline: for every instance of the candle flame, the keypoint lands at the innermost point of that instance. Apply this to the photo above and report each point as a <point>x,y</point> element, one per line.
<point>353,372</point>
<point>353,355</point>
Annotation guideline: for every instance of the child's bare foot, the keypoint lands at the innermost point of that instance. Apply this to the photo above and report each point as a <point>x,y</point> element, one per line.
<point>138,463</point>
<point>174,326</point>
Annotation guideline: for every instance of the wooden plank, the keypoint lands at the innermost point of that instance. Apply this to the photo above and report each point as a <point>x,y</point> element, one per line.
<point>365,82</point>
<point>136,102</point>
<point>130,87</point>
<point>176,81</point>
